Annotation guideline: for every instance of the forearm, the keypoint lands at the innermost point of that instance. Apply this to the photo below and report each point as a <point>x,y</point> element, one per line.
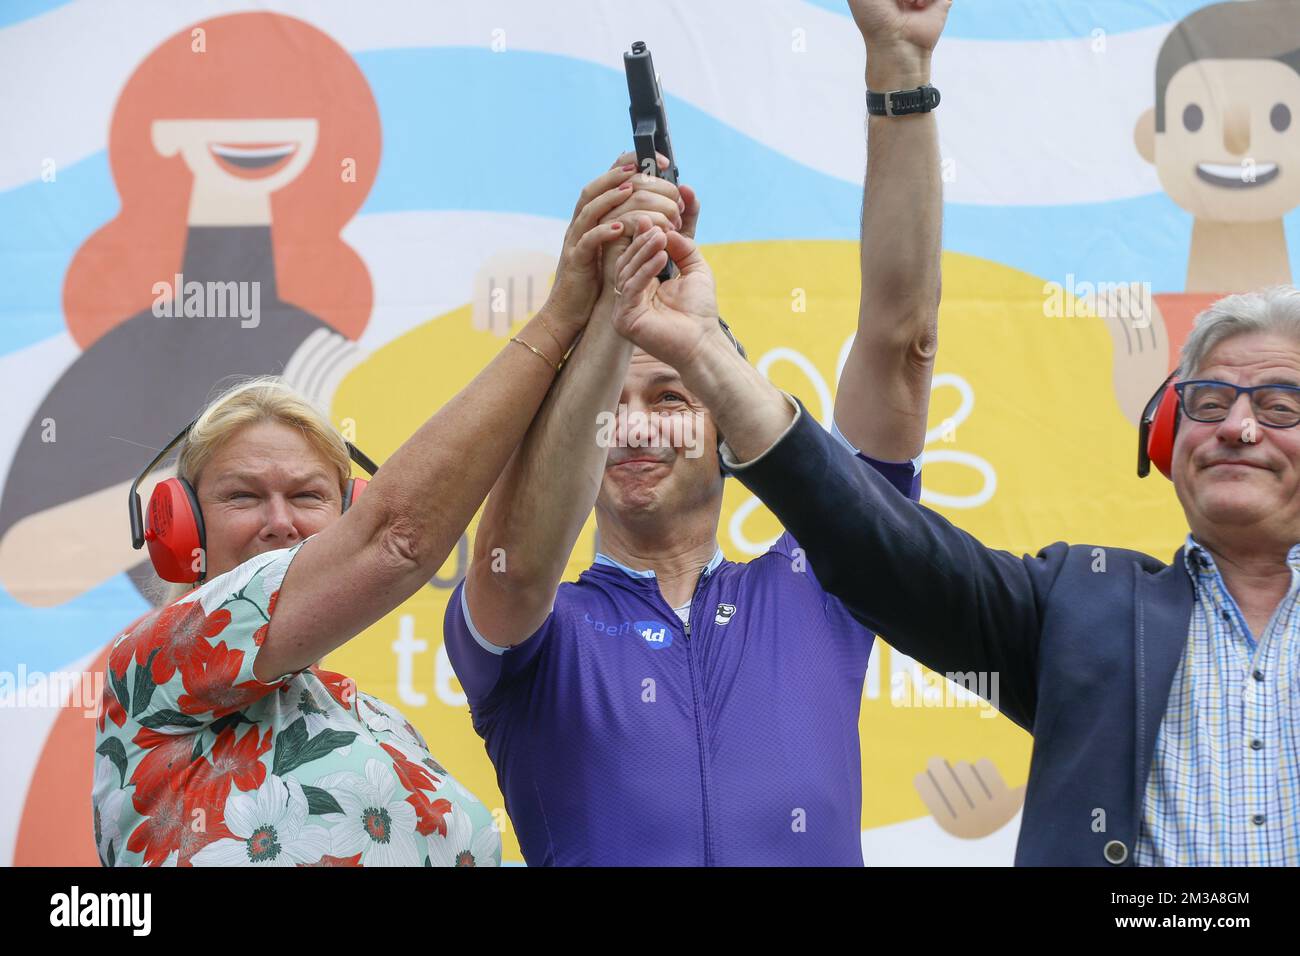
<point>428,490</point>
<point>537,509</point>
<point>930,589</point>
<point>748,410</point>
<point>883,395</point>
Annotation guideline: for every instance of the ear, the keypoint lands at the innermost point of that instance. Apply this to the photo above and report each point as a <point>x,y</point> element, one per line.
<point>1144,136</point>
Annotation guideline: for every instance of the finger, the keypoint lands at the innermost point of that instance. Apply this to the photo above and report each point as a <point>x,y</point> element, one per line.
<point>661,186</point>
<point>643,200</point>
<point>974,792</point>
<point>624,159</point>
<point>690,210</point>
<point>939,774</point>
<point>584,250</point>
<point>988,775</point>
<point>640,281</point>
<point>683,251</point>
<point>933,798</point>
<point>600,207</point>
<point>642,248</point>
<point>603,183</point>
<point>629,219</point>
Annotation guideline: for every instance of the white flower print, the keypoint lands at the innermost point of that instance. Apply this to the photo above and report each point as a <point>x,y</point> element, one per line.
<point>377,821</point>
<point>107,800</point>
<point>269,828</point>
<point>462,846</point>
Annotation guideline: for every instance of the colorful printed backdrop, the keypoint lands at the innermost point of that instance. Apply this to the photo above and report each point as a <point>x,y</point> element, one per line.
<point>388,174</point>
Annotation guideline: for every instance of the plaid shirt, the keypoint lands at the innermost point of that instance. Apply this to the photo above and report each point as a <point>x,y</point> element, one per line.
<point>1224,788</point>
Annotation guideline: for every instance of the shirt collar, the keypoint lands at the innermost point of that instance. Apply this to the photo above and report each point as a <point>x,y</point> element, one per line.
<point>1198,559</point>
<point>605,559</point>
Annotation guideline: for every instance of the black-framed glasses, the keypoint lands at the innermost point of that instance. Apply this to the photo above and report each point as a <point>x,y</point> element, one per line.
<point>1275,406</point>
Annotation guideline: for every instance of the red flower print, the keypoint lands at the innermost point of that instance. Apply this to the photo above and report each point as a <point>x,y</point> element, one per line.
<point>415,778</point>
<point>183,631</point>
<point>166,766</point>
<point>342,689</point>
<point>138,643</point>
<point>214,688</point>
<point>185,821</point>
<point>110,708</point>
<point>259,636</point>
<point>236,762</point>
<point>335,861</point>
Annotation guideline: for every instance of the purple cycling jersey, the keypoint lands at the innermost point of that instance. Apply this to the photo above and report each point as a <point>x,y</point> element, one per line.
<point>622,736</point>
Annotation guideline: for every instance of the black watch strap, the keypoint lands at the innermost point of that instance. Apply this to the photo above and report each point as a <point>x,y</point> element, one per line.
<point>902,102</point>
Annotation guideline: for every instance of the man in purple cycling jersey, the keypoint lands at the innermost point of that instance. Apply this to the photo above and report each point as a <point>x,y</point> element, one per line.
<point>672,707</point>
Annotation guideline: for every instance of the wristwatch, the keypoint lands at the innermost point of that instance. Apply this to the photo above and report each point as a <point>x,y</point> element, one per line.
<point>923,99</point>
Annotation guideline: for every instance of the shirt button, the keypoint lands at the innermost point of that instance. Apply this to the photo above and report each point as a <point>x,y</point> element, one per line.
<point>1258,675</point>
<point>1258,819</point>
<point>1257,745</point>
<point>1227,617</point>
<point>1115,852</point>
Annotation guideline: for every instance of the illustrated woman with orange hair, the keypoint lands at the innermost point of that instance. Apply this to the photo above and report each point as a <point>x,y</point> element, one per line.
<point>241,147</point>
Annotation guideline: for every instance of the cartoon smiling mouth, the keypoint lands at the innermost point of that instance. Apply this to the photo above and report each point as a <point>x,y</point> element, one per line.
<point>1237,177</point>
<point>252,160</point>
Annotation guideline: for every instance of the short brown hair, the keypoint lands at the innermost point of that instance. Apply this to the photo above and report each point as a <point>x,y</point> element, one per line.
<point>1258,30</point>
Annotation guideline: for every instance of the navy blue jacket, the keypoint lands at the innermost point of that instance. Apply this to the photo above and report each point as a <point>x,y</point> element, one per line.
<point>1085,657</point>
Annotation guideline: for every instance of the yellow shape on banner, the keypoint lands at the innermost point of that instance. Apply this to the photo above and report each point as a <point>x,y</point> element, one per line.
<point>1027,446</point>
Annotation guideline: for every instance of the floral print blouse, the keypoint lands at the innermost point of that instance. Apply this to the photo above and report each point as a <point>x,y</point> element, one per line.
<point>198,763</point>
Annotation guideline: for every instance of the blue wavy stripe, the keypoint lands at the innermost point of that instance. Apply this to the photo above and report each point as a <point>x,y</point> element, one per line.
<point>15,11</point>
<point>521,133</point>
<point>1041,20</point>
<point>47,639</point>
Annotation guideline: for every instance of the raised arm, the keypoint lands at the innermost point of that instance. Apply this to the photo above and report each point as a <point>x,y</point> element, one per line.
<point>397,535</point>
<point>536,512</point>
<point>884,391</point>
<point>930,589</point>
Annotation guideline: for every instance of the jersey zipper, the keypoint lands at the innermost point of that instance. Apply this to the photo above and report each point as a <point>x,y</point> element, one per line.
<point>699,723</point>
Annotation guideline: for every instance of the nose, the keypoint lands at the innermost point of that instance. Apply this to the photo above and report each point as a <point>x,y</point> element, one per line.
<point>1236,129</point>
<point>279,523</point>
<point>1235,427</point>
<point>632,430</point>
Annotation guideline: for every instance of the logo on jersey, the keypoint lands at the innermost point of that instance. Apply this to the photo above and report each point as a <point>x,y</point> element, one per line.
<point>724,613</point>
<point>655,633</point>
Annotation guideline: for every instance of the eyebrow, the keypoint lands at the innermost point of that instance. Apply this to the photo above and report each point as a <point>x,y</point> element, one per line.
<point>249,477</point>
<point>664,378</point>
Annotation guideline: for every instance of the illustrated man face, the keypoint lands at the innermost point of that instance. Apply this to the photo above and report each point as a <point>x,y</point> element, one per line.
<point>1230,149</point>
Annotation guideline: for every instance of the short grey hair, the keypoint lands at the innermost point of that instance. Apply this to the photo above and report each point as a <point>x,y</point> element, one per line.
<point>1275,310</point>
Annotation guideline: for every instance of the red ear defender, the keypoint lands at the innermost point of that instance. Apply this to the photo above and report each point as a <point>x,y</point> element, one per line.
<point>1157,430</point>
<point>355,487</point>
<point>174,532</point>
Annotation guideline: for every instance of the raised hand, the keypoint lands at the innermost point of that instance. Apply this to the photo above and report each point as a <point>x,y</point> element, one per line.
<point>892,23</point>
<point>670,320</point>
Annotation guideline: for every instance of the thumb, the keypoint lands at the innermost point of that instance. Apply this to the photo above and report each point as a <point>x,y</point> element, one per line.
<point>683,251</point>
<point>691,217</point>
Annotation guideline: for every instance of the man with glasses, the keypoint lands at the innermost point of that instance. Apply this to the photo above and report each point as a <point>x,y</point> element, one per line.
<point>1163,699</point>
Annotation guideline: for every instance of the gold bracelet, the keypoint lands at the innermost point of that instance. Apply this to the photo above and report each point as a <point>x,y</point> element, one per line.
<point>515,338</point>
<point>560,345</point>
